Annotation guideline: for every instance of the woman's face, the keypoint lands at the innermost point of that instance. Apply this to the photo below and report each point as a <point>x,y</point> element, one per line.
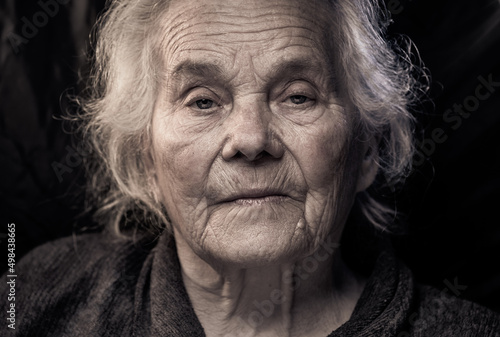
<point>254,153</point>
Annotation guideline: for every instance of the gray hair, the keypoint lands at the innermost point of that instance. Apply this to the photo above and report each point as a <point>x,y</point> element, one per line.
<point>117,108</point>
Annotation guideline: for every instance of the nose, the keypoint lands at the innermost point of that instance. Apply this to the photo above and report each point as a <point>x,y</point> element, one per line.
<point>249,133</point>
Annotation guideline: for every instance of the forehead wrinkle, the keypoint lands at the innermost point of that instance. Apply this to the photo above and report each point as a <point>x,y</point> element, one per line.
<point>228,10</point>
<point>184,23</point>
<point>250,11</point>
<point>185,32</point>
<point>202,43</point>
<point>182,37</point>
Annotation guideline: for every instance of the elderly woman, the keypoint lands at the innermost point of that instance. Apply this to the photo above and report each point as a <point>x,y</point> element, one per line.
<point>233,140</point>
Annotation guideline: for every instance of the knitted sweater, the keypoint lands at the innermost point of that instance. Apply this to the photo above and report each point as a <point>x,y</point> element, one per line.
<point>92,285</point>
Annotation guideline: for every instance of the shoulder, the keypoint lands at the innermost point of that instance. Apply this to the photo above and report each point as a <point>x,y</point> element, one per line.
<point>89,278</point>
<point>85,251</point>
<point>443,311</point>
<point>90,256</point>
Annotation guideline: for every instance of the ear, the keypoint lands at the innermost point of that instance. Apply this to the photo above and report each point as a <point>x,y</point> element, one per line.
<point>369,163</point>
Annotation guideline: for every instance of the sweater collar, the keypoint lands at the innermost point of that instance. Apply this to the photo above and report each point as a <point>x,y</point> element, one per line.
<point>384,307</point>
<point>163,307</point>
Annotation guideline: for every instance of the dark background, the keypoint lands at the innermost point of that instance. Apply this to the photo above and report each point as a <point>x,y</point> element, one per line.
<point>452,197</point>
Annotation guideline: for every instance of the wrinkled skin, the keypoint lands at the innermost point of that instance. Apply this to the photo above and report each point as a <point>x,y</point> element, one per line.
<point>256,156</point>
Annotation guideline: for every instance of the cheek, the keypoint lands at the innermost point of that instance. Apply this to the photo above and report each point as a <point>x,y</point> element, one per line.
<point>182,168</point>
<point>182,159</point>
<point>322,153</point>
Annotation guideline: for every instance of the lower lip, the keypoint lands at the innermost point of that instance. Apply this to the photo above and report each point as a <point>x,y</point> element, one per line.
<point>260,201</point>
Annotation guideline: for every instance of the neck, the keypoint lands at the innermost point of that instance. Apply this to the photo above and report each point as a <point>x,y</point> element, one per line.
<point>274,300</point>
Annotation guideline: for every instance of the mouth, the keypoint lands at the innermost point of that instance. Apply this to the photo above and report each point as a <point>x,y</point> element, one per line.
<point>256,197</point>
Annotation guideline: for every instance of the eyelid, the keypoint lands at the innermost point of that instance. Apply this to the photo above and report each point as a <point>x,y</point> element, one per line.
<point>303,88</point>
<point>205,93</point>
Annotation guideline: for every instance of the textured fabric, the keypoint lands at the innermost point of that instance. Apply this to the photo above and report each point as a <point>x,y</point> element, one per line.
<point>92,285</point>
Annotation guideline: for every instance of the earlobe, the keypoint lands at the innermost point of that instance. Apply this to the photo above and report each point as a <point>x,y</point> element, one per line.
<point>369,165</point>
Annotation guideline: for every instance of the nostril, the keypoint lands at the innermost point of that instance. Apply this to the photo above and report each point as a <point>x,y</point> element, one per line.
<point>251,158</point>
<point>252,148</point>
<point>246,144</point>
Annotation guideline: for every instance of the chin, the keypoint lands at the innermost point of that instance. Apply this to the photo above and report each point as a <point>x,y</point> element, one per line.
<point>253,250</point>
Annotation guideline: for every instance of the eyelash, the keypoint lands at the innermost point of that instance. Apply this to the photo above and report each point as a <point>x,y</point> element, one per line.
<point>193,102</point>
<point>307,96</point>
<point>299,87</point>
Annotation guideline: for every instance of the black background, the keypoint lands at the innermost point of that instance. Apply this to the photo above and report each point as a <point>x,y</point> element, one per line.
<point>451,199</point>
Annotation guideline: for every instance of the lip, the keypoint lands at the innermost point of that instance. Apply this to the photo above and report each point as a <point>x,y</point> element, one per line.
<point>256,197</point>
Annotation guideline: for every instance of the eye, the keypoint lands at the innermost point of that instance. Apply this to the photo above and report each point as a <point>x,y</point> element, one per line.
<point>298,99</point>
<point>204,103</point>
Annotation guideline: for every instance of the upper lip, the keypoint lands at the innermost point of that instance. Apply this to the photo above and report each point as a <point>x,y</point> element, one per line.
<point>254,193</point>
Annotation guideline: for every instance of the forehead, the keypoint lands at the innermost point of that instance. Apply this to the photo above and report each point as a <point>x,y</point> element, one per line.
<point>252,33</point>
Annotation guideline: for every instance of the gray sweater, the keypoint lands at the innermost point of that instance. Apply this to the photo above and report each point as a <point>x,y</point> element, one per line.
<point>93,285</point>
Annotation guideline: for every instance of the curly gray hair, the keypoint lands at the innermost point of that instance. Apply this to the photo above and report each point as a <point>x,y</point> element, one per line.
<point>375,75</point>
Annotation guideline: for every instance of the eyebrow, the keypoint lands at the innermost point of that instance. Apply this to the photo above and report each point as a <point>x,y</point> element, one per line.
<point>298,66</point>
<point>202,69</point>
<point>197,69</point>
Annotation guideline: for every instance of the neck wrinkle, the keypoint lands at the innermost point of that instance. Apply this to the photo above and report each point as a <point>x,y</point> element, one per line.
<point>273,300</point>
